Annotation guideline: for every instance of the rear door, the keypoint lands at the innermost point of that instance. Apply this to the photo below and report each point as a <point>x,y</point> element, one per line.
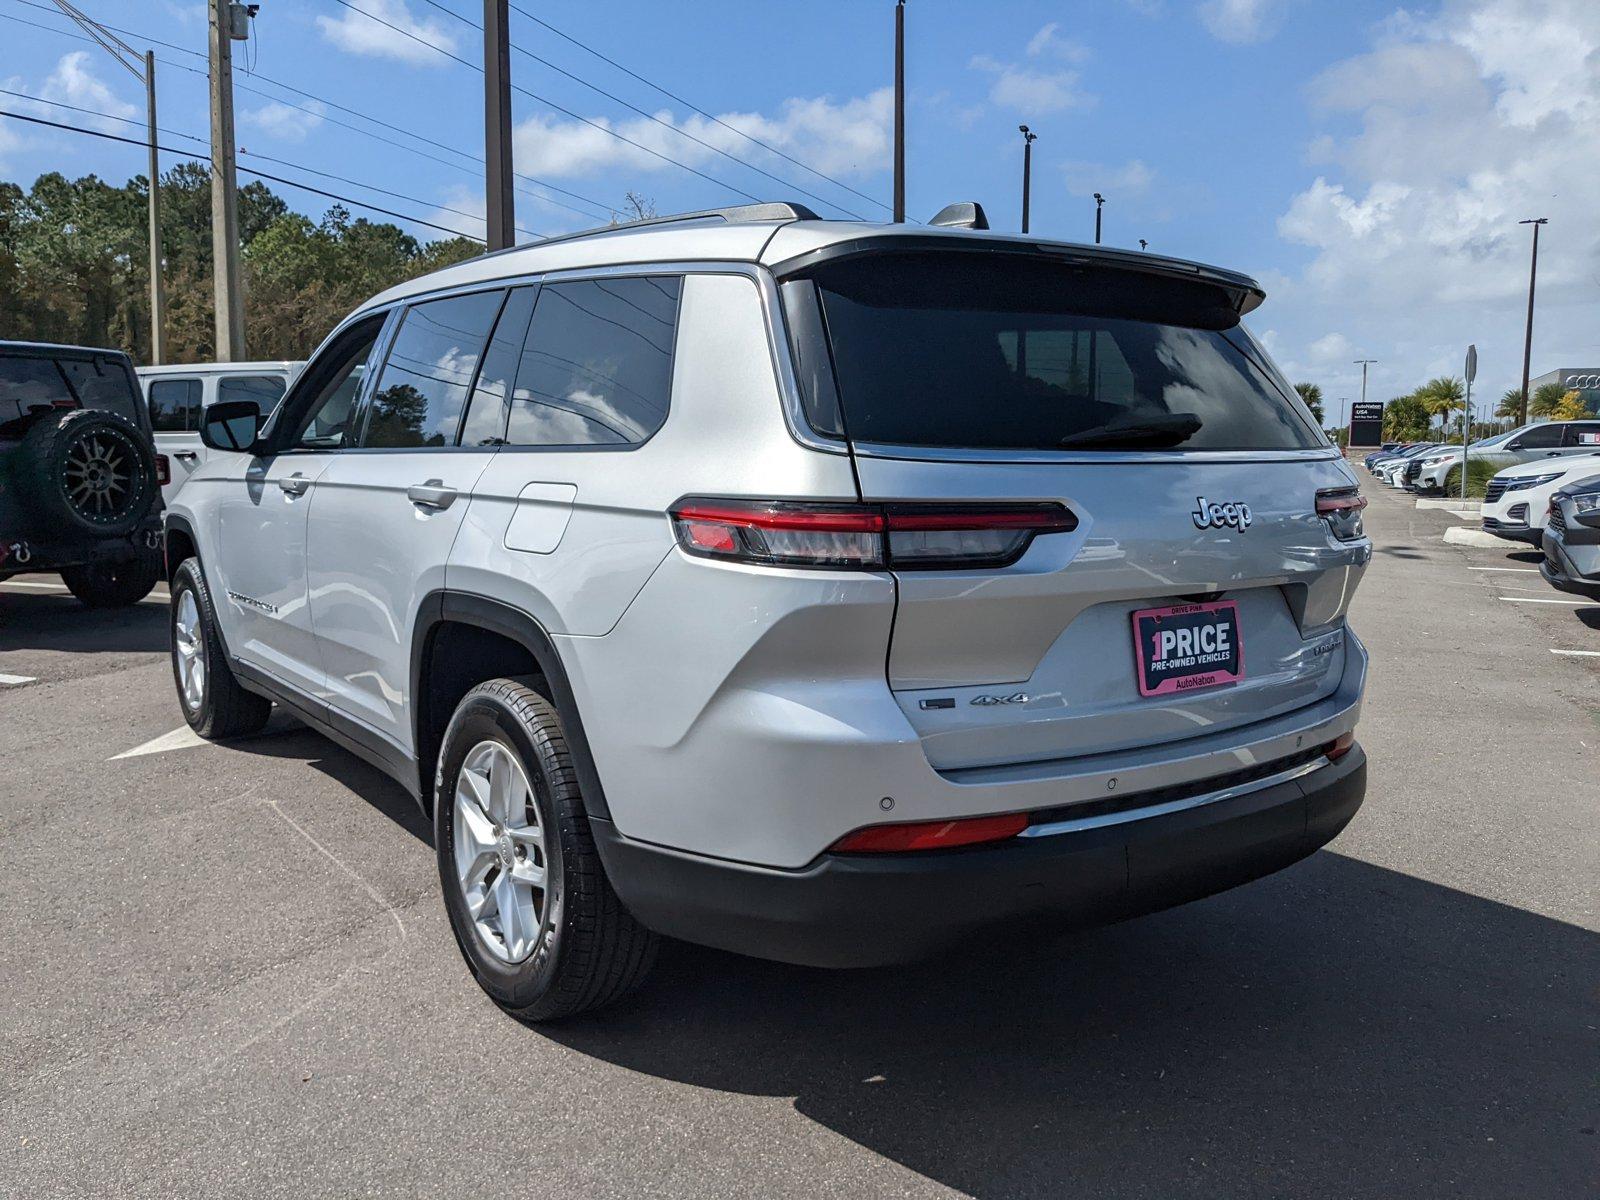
<point>175,403</point>
<point>387,513</point>
<point>1192,471</point>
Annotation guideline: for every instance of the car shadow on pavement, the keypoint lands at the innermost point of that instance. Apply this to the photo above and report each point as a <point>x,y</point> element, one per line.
<point>288,739</point>
<point>60,623</point>
<point>1340,1029</point>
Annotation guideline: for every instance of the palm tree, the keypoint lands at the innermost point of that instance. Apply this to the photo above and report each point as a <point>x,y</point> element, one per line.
<point>1441,397</point>
<point>1311,393</point>
<point>1545,398</point>
<point>1510,406</point>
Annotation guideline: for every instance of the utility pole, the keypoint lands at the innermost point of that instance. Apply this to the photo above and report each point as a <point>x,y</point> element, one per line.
<point>1527,341</point>
<point>1028,138</point>
<point>127,56</point>
<point>900,112</point>
<point>230,22</point>
<point>1364,363</point>
<point>498,179</point>
<point>1099,203</point>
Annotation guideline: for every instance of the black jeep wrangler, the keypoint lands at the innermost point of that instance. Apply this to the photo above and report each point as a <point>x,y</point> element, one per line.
<point>80,489</point>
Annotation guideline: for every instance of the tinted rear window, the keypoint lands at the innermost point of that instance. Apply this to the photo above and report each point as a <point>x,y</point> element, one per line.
<point>31,384</point>
<point>1004,352</point>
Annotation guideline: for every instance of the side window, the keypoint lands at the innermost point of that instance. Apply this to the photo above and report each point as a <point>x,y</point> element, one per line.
<point>597,366</point>
<point>324,401</point>
<point>1540,437</point>
<point>264,391</point>
<point>431,367</point>
<point>174,405</point>
<point>486,411</point>
<point>1582,435</point>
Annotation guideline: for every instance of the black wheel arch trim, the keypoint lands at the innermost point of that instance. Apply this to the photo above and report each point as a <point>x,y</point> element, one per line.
<point>447,605</point>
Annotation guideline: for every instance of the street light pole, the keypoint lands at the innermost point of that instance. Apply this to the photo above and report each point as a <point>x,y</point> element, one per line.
<point>1099,203</point>
<point>1527,342</point>
<point>1363,363</point>
<point>900,112</point>
<point>1143,245</point>
<point>1028,138</point>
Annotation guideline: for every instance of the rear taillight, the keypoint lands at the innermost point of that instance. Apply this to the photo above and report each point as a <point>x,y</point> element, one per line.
<point>931,835</point>
<point>163,470</point>
<point>864,536</point>
<point>1340,746</point>
<point>1340,509</point>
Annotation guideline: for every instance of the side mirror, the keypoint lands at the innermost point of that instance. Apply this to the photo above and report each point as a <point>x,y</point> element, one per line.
<point>231,425</point>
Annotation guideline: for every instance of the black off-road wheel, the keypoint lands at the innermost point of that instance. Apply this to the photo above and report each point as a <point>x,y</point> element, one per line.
<point>533,913</point>
<point>114,584</point>
<point>85,472</point>
<point>213,702</point>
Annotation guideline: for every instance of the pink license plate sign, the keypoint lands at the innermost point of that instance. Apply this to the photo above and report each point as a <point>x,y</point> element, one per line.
<point>1187,647</point>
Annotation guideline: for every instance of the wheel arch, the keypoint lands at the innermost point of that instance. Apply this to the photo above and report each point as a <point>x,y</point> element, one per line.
<point>461,639</point>
<point>179,543</point>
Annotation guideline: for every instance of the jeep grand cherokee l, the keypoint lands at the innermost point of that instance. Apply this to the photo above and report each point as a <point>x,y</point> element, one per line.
<point>824,591</point>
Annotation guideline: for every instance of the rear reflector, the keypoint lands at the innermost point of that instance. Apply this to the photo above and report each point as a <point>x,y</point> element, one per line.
<point>864,536</point>
<point>931,835</point>
<point>163,470</point>
<point>1340,746</point>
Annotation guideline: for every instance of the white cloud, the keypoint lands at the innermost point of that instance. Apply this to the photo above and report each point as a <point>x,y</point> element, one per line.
<point>836,137</point>
<point>74,82</point>
<point>1039,86</point>
<point>358,34</point>
<point>1048,42</point>
<point>1242,22</point>
<point>1465,123</point>
<point>285,122</point>
<point>1132,178</point>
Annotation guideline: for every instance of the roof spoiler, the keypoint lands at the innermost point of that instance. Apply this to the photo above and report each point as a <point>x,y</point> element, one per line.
<point>963,214</point>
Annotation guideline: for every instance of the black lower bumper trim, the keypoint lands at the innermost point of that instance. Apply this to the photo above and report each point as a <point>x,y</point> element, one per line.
<point>870,910</point>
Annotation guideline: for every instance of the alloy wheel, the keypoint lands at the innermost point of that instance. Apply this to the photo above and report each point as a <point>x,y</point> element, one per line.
<point>500,856</point>
<point>186,640</point>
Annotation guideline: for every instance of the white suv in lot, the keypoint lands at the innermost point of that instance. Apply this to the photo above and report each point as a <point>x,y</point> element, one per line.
<point>830,592</point>
<point>178,396</point>
<point>1516,501</point>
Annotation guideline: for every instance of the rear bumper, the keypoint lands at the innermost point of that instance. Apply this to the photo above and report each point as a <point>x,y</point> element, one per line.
<point>21,554</point>
<point>870,910</point>
<point>1571,567</point>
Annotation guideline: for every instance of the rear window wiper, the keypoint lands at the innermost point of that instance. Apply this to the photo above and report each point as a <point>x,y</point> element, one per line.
<point>1153,432</point>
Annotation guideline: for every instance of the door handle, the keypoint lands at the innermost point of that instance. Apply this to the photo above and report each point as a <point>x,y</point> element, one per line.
<point>186,455</point>
<point>434,494</point>
<point>295,484</point>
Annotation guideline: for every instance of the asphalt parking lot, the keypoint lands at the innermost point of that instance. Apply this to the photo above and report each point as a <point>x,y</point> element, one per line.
<point>226,970</point>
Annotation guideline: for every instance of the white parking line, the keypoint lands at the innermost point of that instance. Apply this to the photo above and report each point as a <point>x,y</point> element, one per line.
<point>16,680</point>
<point>1509,570</point>
<point>181,738</point>
<point>1534,600</point>
<point>35,587</point>
<point>1578,653</point>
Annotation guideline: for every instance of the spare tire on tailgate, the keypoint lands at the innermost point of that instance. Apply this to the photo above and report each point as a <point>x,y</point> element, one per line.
<point>87,471</point>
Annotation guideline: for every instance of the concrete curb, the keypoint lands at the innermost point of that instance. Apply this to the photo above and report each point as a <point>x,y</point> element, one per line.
<point>1454,505</point>
<point>1477,537</point>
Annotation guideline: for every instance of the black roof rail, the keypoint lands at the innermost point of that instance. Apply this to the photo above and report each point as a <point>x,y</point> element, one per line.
<point>778,210</point>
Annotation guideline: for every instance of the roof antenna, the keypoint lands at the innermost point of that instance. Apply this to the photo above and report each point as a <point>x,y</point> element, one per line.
<point>963,214</point>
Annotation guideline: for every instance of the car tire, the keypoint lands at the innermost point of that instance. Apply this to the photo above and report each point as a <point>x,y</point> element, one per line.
<point>509,811</point>
<point>213,702</point>
<point>114,584</point>
<point>86,473</point>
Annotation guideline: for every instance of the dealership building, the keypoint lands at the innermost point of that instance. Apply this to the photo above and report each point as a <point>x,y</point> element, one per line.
<point>1583,380</point>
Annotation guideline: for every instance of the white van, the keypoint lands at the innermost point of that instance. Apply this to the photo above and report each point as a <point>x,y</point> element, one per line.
<point>177,395</point>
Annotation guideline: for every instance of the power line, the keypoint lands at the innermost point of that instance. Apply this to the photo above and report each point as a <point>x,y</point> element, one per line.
<point>694,107</point>
<point>603,209</point>
<point>371,187</point>
<point>649,116</point>
<point>112,137</point>
<point>667,158</point>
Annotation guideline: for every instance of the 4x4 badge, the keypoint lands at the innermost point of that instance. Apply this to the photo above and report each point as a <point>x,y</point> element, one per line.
<point>1233,513</point>
<point>987,700</point>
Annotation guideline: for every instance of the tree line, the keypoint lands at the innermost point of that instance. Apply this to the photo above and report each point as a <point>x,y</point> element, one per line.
<point>74,265</point>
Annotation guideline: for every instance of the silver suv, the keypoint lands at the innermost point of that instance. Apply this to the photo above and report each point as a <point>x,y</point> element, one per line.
<point>822,591</point>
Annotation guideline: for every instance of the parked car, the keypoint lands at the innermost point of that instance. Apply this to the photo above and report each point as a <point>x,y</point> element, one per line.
<point>1386,448</point>
<point>1530,443</point>
<point>794,587</point>
<point>80,493</point>
<point>1516,501</point>
<point>178,395</point>
<point>1572,539</point>
<point>1389,469</point>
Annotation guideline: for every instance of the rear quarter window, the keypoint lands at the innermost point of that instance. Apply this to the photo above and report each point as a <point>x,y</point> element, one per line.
<point>264,391</point>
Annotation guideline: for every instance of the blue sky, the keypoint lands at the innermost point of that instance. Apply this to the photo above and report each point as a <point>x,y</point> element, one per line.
<point>1368,163</point>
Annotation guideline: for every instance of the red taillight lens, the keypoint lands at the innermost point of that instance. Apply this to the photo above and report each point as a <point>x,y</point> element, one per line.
<point>931,835</point>
<point>163,470</point>
<point>864,536</point>
<point>1340,746</point>
<point>1340,509</point>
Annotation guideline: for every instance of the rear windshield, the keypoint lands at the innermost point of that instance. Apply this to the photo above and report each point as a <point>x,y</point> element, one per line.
<point>30,385</point>
<point>1006,352</point>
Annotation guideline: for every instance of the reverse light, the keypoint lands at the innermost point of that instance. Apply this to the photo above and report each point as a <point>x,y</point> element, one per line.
<point>1340,509</point>
<point>931,835</point>
<point>864,536</point>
